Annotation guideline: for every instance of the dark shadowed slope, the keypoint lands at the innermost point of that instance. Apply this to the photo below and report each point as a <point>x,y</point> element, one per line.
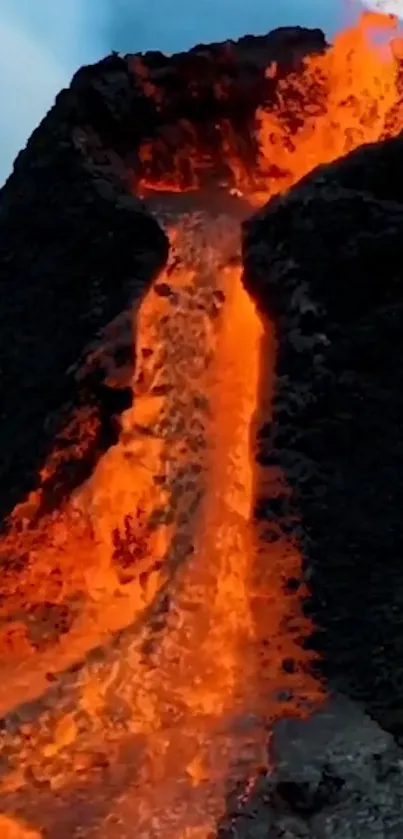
<point>326,261</point>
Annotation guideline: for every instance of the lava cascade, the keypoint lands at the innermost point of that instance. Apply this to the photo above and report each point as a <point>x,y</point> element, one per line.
<point>161,544</point>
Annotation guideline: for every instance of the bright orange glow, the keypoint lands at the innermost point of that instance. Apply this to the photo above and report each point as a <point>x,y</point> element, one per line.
<point>13,829</point>
<point>157,561</point>
<point>341,100</point>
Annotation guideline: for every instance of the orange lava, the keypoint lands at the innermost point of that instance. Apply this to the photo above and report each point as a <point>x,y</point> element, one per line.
<point>158,560</point>
<point>342,99</point>
<point>13,829</point>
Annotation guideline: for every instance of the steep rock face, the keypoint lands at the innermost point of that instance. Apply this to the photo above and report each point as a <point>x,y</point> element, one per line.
<point>76,249</point>
<point>325,260</point>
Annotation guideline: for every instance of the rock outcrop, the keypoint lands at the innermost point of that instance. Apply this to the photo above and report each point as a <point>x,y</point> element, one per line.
<point>325,260</point>
<point>337,774</point>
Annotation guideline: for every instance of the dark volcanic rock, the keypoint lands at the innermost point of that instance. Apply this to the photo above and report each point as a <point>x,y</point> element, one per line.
<point>202,103</point>
<point>76,249</point>
<point>325,260</point>
<point>191,111</point>
<point>336,774</point>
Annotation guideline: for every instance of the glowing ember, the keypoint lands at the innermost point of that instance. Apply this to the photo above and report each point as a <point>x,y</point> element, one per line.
<point>157,561</point>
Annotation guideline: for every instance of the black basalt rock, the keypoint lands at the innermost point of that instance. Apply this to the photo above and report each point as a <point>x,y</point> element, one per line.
<point>325,262</point>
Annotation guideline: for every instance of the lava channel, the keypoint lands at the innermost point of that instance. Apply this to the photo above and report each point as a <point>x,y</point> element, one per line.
<point>178,696</point>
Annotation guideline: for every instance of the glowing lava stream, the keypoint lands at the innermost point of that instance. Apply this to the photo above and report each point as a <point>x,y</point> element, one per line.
<point>202,697</point>
<point>181,702</point>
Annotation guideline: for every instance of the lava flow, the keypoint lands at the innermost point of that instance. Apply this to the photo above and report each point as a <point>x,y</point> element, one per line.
<point>183,643</point>
<point>182,695</point>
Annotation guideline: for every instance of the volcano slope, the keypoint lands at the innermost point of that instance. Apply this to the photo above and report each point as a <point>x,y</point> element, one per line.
<point>151,632</point>
<point>325,261</point>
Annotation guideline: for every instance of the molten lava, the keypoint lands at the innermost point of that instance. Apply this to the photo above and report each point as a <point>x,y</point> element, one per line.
<point>178,626</point>
<point>342,99</point>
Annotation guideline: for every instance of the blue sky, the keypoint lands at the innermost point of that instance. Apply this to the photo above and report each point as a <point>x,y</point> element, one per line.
<point>43,42</point>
